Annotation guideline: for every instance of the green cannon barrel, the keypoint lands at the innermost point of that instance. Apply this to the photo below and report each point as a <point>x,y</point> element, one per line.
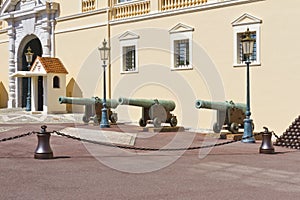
<point>221,106</point>
<point>147,103</point>
<point>110,103</point>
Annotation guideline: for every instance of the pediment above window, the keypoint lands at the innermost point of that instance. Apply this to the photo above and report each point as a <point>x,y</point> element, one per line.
<point>246,19</point>
<point>18,5</point>
<point>181,28</point>
<point>128,36</point>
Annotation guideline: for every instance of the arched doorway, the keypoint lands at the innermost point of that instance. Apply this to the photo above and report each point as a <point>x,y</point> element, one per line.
<point>34,43</point>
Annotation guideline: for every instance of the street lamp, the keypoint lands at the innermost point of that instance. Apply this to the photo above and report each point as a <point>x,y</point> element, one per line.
<point>28,56</point>
<point>104,54</point>
<point>247,45</point>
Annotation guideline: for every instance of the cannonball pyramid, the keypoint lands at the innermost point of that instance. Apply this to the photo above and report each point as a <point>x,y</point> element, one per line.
<point>291,137</point>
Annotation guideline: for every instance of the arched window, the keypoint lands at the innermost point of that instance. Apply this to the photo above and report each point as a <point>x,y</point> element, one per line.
<point>55,82</point>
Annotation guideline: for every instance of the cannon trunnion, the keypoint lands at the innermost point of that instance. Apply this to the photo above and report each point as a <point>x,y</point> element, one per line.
<point>154,111</point>
<point>93,107</point>
<point>230,115</point>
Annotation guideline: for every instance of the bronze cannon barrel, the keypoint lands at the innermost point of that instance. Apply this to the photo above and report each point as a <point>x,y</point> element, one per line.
<point>110,103</point>
<point>221,106</point>
<point>169,105</point>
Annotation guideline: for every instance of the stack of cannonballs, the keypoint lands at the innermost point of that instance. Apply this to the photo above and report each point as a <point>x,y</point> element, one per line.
<point>291,137</point>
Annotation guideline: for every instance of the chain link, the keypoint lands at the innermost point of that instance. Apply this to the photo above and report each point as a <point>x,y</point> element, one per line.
<point>17,136</point>
<point>277,137</point>
<point>150,149</point>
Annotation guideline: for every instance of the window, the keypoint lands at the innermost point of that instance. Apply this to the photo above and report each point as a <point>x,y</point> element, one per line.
<point>122,1</point>
<point>253,57</point>
<point>181,46</point>
<point>56,82</point>
<point>240,26</point>
<point>181,53</point>
<point>129,52</point>
<point>129,58</point>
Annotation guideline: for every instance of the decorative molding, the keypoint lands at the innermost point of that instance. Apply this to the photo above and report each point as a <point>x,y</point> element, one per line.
<point>4,41</point>
<point>128,36</point>
<point>179,28</point>
<point>79,15</point>
<point>130,9</point>
<point>246,19</point>
<point>79,28</point>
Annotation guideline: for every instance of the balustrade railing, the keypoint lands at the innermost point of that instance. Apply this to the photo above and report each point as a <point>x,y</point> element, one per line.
<point>88,5</point>
<point>176,4</point>
<point>130,9</point>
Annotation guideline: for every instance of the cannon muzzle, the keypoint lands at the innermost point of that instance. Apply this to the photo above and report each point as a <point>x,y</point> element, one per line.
<point>147,103</point>
<point>220,106</point>
<point>110,103</point>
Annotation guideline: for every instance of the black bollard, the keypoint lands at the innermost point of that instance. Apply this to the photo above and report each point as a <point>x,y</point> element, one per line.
<point>43,149</point>
<point>266,145</point>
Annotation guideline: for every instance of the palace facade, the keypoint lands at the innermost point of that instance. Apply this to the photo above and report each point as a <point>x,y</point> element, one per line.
<point>181,50</point>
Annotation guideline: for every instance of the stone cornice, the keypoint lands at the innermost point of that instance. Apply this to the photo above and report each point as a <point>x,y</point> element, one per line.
<point>79,15</point>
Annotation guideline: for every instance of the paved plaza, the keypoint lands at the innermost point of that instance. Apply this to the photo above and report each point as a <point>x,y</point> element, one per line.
<point>81,170</point>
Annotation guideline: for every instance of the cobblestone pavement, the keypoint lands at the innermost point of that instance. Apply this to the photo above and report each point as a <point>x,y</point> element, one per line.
<point>18,115</point>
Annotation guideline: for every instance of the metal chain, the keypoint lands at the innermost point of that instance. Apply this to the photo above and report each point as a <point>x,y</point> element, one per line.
<point>277,137</point>
<point>150,149</point>
<point>17,136</point>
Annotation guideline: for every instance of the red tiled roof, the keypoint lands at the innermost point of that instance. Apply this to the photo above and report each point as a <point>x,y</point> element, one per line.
<point>52,65</point>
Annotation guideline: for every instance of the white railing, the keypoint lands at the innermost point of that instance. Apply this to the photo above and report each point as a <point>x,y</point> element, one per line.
<point>88,5</point>
<point>130,9</point>
<point>175,4</point>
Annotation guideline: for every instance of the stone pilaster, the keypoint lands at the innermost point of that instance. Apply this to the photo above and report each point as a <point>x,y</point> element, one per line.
<point>11,67</point>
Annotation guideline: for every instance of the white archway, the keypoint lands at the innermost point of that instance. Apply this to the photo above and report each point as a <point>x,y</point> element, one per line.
<point>37,20</point>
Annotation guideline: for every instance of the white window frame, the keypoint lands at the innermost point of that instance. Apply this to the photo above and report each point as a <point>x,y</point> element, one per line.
<point>181,32</point>
<point>125,1</point>
<point>254,25</point>
<point>126,40</point>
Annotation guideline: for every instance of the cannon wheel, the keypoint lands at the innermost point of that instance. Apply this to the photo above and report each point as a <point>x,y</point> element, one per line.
<point>96,119</point>
<point>216,128</point>
<point>173,121</point>
<point>234,128</point>
<point>156,122</point>
<point>85,119</point>
<point>142,122</point>
<point>113,118</point>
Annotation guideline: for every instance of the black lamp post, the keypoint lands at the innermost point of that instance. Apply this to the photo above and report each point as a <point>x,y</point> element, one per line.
<point>247,45</point>
<point>28,56</point>
<point>104,54</point>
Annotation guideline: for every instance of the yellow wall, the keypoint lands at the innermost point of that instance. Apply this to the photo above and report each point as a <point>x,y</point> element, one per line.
<point>79,52</point>
<point>273,84</point>
<point>67,8</point>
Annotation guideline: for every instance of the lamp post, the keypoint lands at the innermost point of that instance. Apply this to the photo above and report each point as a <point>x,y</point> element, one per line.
<point>247,45</point>
<point>28,56</point>
<point>104,54</point>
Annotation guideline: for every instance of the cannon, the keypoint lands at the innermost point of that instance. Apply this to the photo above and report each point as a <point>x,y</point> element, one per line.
<point>93,107</point>
<point>230,115</point>
<point>154,111</point>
